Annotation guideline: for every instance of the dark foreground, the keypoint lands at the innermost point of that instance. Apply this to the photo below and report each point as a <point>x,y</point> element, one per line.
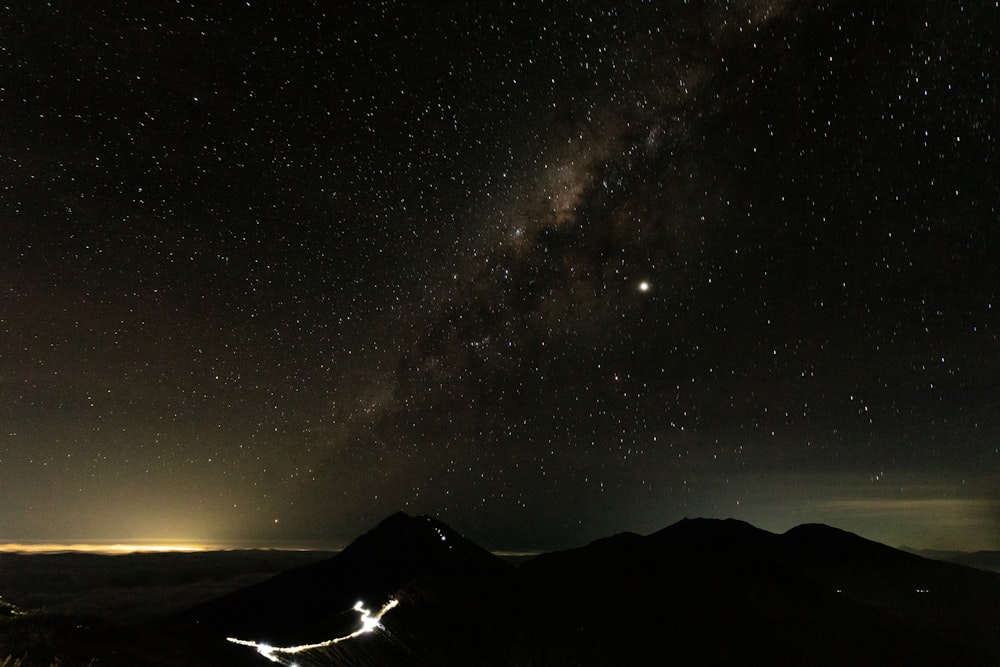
<point>700,591</point>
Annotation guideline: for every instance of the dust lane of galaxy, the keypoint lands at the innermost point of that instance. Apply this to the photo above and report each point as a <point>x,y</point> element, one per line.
<point>547,271</point>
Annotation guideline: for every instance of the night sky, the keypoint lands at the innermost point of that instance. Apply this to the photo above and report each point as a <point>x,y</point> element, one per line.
<point>270,271</point>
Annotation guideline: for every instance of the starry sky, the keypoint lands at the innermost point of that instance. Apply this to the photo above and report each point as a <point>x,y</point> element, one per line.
<point>547,270</point>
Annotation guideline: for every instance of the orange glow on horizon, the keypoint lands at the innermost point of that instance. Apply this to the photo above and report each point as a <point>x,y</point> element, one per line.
<point>104,549</point>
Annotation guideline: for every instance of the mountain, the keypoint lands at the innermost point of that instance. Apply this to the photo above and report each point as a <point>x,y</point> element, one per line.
<point>315,601</point>
<point>983,560</point>
<point>724,592</point>
<point>703,591</point>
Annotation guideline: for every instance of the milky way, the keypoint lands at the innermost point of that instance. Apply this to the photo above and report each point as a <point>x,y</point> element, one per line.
<point>545,271</point>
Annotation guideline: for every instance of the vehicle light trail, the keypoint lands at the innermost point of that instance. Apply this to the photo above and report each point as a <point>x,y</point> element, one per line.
<point>369,623</point>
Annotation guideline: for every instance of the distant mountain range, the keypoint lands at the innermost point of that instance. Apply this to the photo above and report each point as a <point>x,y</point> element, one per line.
<point>983,560</point>
<point>698,592</point>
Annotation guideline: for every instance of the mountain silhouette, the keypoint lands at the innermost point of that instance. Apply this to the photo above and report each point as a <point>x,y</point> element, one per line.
<point>725,592</point>
<point>700,591</point>
<point>314,602</point>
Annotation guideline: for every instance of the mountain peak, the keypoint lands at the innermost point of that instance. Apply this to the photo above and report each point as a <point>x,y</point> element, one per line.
<point>306,602</point>
<point>820,535</point>
<point>417,545</point>
<point>710,532</point>
<point>795,594</point>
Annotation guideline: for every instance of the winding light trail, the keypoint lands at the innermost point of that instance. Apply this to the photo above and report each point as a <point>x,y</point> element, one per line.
<point>369,623</point>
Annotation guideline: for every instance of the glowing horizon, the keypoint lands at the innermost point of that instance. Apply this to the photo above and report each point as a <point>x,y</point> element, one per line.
<point>101,548</point>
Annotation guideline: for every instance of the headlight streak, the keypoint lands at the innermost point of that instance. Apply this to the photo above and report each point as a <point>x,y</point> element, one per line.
<point>369,623</point>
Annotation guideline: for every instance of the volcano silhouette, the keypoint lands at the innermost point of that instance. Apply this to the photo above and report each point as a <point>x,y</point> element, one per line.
<point>700,591</point>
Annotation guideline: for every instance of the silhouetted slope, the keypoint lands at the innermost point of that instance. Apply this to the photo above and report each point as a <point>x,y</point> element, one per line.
<point>700,591</point>
<point>983,560</point>
<point>944,600</point>
<point>713,592</point>
<point>314,602</point>
<point>714,533</point>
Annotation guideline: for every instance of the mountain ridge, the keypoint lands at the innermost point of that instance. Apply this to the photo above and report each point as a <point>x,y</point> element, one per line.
<point>310,601</point>
<point>724,592</point>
